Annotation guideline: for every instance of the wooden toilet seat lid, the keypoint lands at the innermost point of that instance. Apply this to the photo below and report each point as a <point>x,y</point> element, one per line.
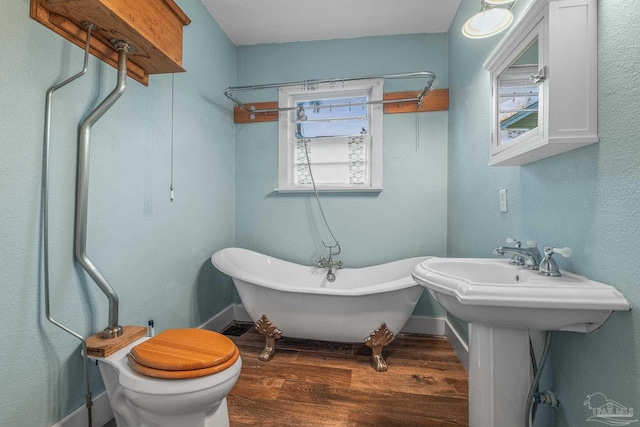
<point>183,353</point>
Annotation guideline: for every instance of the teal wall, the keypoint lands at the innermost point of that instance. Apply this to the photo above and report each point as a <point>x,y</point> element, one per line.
<point>438,199</point>
<point>153,252</point>
<point>587,199</point>
<point>407,219</point>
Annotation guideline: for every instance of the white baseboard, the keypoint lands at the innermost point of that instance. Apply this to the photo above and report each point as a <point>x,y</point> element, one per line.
<point>424,325</point>
<point>220,320</point>
<point>102,413</point>
<point>415,324</point>
<point>240,314</point>
<point>459,345</point>
<point>439,326</point>
<point>225,317</point>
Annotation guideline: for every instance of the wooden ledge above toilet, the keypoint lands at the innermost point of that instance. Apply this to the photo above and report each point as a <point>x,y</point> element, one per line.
<point>103,347</point>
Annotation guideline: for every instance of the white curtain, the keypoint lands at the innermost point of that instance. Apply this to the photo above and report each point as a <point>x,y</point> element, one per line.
<point>334,160</point>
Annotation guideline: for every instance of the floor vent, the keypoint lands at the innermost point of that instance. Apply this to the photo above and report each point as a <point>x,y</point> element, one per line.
<point>236,329</point>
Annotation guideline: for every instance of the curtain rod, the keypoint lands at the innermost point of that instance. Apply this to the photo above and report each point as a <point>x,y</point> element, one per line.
<point>309,83</point>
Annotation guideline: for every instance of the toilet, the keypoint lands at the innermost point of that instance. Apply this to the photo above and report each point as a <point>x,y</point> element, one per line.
<point>181,377</point>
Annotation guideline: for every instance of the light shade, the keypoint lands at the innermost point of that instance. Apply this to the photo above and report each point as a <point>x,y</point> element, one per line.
<point>499,2</point>
<point>487,22</point>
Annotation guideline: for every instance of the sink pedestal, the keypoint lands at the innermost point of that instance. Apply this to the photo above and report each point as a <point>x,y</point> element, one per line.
<point>499,375</point>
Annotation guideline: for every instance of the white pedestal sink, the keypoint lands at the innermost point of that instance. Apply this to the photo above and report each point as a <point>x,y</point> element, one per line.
<point>502,302</point>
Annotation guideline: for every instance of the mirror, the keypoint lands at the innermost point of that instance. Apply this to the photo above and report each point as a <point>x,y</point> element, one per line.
<point>518,100</point>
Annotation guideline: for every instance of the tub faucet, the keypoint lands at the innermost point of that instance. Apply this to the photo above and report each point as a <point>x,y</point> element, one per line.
<point>330,264</point>
<point>529,257</point>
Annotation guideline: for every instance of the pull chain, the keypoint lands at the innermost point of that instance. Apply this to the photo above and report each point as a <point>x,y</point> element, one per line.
<point>171,195</point>
<point>417,131</point>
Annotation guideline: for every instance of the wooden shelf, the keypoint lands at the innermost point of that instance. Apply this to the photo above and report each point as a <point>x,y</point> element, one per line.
<point>153,27</point>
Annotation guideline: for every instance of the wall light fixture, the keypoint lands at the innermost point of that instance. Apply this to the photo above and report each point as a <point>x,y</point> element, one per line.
<point>494,17</point>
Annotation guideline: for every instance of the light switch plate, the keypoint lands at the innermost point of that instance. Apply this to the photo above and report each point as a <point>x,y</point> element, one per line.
<point>503,200</point>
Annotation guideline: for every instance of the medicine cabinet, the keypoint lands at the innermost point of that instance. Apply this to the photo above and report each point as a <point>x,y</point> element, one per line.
<point>544,83</point>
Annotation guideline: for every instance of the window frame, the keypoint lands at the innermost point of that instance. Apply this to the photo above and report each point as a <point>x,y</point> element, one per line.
<point>288,99</point>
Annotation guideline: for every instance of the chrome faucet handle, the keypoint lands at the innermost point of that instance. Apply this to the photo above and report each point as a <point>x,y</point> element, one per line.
<point>565,252</point>
<point>515,242</point>
<point>548,266</point>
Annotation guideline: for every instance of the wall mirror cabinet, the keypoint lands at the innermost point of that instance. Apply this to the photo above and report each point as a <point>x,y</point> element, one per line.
<point>544,83</point>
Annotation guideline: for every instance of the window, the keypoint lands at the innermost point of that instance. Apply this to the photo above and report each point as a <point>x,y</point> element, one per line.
<point>342,132</point>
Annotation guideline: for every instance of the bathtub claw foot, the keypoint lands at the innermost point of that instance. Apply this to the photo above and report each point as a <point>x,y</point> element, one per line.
<point>377,341</point>
<point>271,333</point>
<point>377,361</point>
<point>269,350</point>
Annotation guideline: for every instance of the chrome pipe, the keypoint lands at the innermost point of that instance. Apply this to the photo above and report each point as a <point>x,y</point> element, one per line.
<point>425,91</point>
<point>417,99</point>
<point>45,215</point>
<point>413,75</point>
<point>45,173</point>
<point>82,197</point>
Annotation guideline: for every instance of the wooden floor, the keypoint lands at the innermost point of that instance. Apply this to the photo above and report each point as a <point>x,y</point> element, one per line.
<point>317,384</point>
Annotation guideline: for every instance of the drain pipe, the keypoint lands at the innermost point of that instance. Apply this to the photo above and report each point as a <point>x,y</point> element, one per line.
<point>45,217</point>
<point>113,330</point>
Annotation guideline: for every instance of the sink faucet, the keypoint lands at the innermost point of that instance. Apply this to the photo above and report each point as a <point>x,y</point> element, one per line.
<point>330,264</point>
<point>529,257</point>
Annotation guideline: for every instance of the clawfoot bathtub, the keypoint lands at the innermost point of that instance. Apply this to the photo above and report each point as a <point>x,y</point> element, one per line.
<point>368,304</point>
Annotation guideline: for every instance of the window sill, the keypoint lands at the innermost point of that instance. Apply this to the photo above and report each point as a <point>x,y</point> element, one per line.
<point>330,190</point>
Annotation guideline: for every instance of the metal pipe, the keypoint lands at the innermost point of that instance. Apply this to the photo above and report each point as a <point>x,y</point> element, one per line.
<point>310,83</point>
<point>45,215</point>
<point>319,107</point>
<point>82,198</point>
<point>411,75</point>
<point>528,415</point>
